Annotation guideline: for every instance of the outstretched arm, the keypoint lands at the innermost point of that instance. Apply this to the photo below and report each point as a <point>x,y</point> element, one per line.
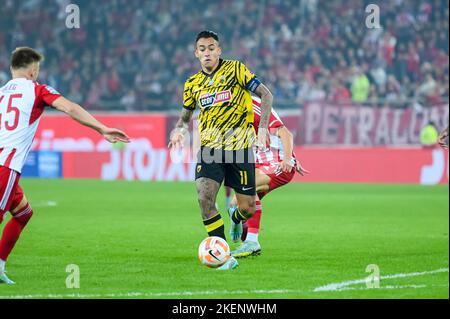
<point>181,128</point>
<point>83,117</point>
<point>287,139</point>
<point>442,137</point>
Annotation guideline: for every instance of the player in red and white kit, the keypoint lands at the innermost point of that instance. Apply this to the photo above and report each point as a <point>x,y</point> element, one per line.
<point>275,167</point>
<point>22,102</point>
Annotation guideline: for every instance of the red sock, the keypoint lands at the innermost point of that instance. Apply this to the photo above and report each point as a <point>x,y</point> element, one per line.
<point>254,222</point>
<point>12,231</point>
<point>227,191</point>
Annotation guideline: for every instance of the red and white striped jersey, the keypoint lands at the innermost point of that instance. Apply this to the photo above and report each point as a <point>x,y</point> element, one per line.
<point>275,153</point>
<point>22,103</point>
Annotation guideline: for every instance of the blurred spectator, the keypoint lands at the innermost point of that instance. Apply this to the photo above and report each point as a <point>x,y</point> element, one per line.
<point>428,89</point>
<point>129,101</point>
<point>360,86</point>
<point>339,93</point>
<point>429,135</point>
<point>75,93</point>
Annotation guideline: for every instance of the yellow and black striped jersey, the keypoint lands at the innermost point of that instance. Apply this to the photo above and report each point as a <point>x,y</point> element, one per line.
<point>226,114</point>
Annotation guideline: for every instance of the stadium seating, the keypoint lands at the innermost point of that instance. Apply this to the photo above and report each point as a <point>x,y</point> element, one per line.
<point>127,56</point>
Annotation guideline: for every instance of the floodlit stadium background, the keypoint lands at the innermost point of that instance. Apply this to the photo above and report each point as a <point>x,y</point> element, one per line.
<point>365,93</point>
<point>357,100</point>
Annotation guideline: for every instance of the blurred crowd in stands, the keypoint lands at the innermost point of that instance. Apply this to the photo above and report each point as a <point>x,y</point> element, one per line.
<point>136,55</point>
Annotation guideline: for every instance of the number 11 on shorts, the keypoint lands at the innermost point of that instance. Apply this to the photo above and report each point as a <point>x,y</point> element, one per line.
<point>244,178</point>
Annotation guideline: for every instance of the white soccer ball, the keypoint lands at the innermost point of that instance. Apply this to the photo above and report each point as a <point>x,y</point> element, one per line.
<point>213,252</point>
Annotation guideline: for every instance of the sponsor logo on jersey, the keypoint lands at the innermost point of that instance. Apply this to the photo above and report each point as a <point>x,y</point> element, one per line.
<point>208,100</point>
<point>51,90</point>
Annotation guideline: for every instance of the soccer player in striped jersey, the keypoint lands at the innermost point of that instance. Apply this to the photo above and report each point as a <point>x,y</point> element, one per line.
<point>275,167</point>
<point>222,91</point>
<point>22,102</point>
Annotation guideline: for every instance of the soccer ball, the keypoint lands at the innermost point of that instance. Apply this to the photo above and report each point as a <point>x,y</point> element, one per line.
<point>213,252</point>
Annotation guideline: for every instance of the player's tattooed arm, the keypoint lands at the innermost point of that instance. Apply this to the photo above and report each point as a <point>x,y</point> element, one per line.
<point>185,119</point>
<point>266,104</point>
<point>181,129</point>
<point>266,109</point>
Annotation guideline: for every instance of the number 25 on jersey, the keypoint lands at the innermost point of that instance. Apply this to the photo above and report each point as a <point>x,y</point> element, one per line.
<point>12,123</point>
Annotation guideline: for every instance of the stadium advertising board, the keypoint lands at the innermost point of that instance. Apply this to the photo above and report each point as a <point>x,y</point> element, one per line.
<point>43,164</point>
<point>426,166</point>
<point>329,124</point>
<point>87,155</point>
<point>146,158</point>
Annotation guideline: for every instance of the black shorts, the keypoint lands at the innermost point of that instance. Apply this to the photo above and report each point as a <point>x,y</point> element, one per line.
<point>237,168</point>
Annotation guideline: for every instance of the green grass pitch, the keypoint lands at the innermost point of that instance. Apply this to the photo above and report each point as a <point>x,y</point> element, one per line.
<point>140,240</point>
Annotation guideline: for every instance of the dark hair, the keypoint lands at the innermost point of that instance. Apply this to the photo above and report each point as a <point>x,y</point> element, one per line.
<point>22,57</point>
<point>207,34</point>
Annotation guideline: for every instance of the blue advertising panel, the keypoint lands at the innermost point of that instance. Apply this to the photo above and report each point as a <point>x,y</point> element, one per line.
<point>43,164</point>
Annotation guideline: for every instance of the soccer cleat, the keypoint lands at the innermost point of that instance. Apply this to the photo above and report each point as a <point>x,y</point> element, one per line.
<point>231,263</point>
<point>5,280</point>
<point>247,248</point>
<point>235,229</point>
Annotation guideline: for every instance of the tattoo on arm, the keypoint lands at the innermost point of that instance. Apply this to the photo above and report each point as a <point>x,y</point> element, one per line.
<point>266,104</point>
<point>185,118</point>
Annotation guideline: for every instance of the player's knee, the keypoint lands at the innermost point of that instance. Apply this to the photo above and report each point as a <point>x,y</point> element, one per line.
<point>24,214</point>
<point>247,209</point>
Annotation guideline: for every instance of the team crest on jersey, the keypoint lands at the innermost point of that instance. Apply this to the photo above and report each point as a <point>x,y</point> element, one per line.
<point>208,100</point>
<point>222,79</point>
<point>199,168</point>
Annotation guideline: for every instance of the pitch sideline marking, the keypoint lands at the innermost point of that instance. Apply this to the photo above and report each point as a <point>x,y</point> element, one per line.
<point>155,294</point>
<point>45,203</point>
<point>395,287</point>
<point>193,293</point>
<point>341,285</point>
<point>42,203</point>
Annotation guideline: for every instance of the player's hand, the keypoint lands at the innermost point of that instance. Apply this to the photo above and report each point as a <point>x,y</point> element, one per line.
<point>263,141</point>
<point>176,139</point>
<point>114,135</point>
<point>286,166</point>
<point>441,139</point>
<point>301,170</point>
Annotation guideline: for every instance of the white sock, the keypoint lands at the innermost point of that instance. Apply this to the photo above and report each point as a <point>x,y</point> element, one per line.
<point>2,265</point>
<point>252,237</point>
